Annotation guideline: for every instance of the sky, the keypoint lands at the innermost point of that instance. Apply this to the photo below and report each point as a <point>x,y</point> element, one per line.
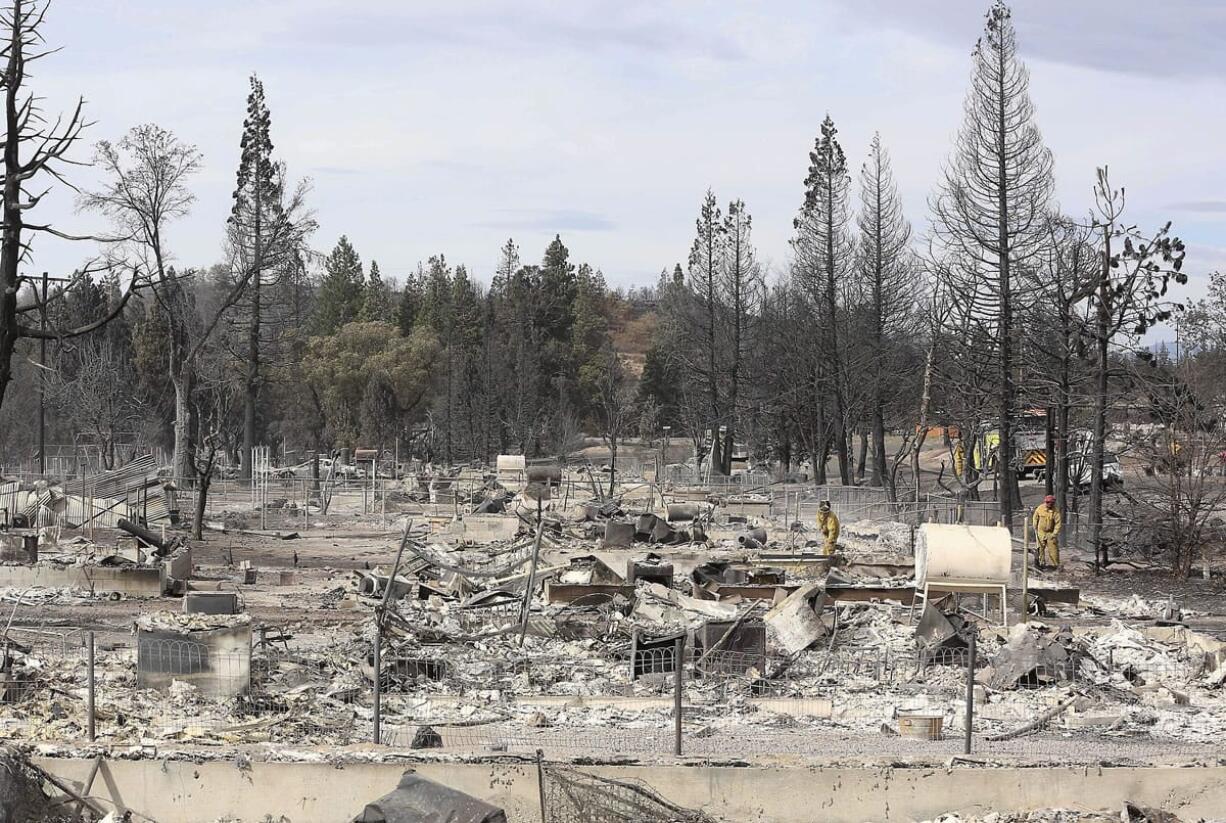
<point>448,127</point>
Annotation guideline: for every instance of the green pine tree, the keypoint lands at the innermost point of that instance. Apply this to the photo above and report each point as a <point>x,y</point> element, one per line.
<point>558,285</point>
<point>435,310</point>
<point>340,294</point>
<point>590,332</point>
<point>508,265</point>
<point>377,299</point>
<point>660,383</point>
<point>466,309</point>
<point>409,305</point>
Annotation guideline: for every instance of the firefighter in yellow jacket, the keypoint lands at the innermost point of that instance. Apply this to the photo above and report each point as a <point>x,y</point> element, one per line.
<point>1047,523</point>
<point>828,525</point>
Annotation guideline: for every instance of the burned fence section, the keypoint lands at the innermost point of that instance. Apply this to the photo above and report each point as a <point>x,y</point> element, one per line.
<point>18,682</point>
<point>570,795</point>
<point>557,741</point>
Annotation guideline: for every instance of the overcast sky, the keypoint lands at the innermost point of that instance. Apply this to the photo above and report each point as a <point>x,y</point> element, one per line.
<point>430,127</point>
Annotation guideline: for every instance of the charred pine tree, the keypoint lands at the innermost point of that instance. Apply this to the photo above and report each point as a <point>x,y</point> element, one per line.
<point>265,232</point>
<point>703,308</point>
<point>888,274</point>
<point>824,256</point>
<point>991,207</point>
<point>743,288</point>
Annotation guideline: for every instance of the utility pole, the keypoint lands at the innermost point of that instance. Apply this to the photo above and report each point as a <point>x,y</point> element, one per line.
<point>664,457</point>
<point>42,382</point>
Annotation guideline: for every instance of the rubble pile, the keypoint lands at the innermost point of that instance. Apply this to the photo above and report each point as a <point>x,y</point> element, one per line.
<point>874,537</point>
<point>1062,816</point>
<point>180,623</point>
<point>45,596</point>
<point>293,703</point>
<point>1134,606</point>
<point>868,656</point>
<point>471,639</point>
<point>21,793</point>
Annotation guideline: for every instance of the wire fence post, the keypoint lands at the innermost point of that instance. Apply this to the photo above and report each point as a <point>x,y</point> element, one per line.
<point>378,676</point>
<point>90,707</point>
<point>678,677</point>
<point>540,782</point>
<point>1026,569</point>
<point>970,691</point>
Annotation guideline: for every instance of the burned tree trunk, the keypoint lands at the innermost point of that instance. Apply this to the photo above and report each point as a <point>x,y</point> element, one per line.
<point>182,469</point>
<point>1102,339</point>
<point>922,434</point>
<point>48,140</point>
<point>204,470</point>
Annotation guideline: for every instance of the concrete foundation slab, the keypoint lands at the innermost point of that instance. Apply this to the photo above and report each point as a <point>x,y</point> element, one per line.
<point>173,791</point>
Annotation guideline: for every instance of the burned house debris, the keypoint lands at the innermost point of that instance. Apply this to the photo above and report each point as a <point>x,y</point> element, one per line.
<point>36,550</point>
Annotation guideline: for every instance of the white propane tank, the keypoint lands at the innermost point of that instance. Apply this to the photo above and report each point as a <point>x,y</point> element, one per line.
<point>511,463</point>
<point>955,553</point>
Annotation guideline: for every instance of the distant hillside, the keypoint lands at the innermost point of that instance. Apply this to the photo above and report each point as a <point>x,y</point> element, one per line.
<point>632,325</point>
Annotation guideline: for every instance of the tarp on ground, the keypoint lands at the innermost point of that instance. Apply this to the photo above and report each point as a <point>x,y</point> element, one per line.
<point>418,800</point>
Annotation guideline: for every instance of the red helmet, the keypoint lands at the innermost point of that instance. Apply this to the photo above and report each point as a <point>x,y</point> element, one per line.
<point>1050,500</point>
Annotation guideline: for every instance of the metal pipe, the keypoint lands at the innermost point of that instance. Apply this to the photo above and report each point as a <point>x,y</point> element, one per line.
<point>387,595</point>
<point>144,535</point>
<point>378,679</point>
<point>1049,445</point>
<point>391,581</point>
<point>536,554</point>
<point>89,783</point>
<point>678,676</point>
<point>970,691</point>
<point>1026,570</point>
<point>42,383</point>
<point>91,687</point>
<point>540,782</point>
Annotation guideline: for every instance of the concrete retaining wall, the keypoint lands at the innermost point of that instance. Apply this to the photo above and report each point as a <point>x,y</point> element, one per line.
<point>173,791</point>
<point>146,582</point>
